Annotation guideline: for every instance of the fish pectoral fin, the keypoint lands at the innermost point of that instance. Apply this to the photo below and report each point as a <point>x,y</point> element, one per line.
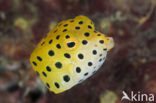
<point>110,44</point>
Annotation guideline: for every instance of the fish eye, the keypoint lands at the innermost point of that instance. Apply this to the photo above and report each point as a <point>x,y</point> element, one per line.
<point>71,44</point>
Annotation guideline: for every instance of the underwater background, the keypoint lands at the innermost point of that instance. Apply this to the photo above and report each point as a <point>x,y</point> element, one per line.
<point>129,66</point>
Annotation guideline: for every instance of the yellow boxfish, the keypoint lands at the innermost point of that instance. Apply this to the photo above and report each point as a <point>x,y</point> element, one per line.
<point>70,53</point>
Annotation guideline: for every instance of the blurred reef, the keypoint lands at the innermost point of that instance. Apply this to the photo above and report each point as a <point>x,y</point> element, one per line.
<point>130,66</point>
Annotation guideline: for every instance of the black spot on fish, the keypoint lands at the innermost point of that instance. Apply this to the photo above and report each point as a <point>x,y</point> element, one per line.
<point>64,30</point>
<point>86,34</point>
<point>48,85</point>
<point>44,74</point>
<point>80,22</point>
<point>90,63</point>
<point>85,74</point>
<point>67,55</point>
<point>51,53</point>
<point>78,69</point>
<point>50,41</point>
<point>77,27</point>
<point>65,25</point>
<point>80,56</point>
<point>94,52</point>
<point>58,65</point>
<point>57,37</point>
<point>57,85</point>
<point>84,42</point>
<point>67,36</point>
<point>48,68</point>
<point>66,78</point>
<point>101,41</point>
<point>34,63</point>
<point>39,58</point>
<point>58,46</point>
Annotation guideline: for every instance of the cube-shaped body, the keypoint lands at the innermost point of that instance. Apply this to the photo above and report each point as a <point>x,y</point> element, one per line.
<point>70,53</point>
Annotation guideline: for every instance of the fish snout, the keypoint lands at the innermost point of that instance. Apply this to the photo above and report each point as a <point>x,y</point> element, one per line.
<point>110,44</point>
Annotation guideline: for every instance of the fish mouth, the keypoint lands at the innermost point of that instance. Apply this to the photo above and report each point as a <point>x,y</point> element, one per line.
<point>110,43</point>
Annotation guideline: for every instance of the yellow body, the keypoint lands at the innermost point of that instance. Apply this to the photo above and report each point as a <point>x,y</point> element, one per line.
<point>70,53</point>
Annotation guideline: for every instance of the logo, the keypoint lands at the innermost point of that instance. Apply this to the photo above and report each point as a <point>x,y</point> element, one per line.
<point>137,97</point>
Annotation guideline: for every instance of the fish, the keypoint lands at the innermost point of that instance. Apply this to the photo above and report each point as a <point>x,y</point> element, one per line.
<point>70,53</point>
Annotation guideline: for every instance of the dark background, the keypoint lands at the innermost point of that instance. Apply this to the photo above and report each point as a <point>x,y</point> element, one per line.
<point>130,65</point>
